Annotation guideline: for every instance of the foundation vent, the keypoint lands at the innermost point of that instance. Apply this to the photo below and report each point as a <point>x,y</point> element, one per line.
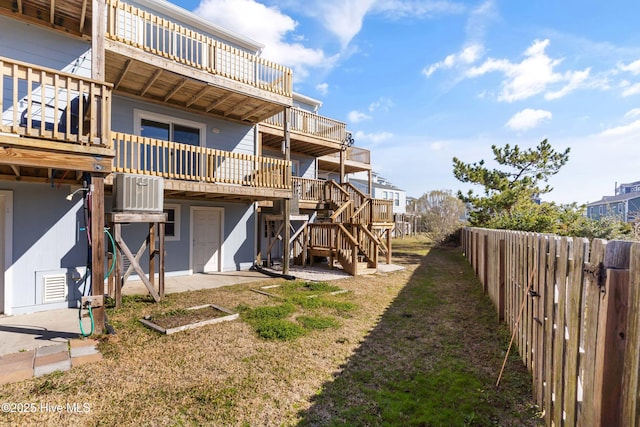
<point>54,288</point>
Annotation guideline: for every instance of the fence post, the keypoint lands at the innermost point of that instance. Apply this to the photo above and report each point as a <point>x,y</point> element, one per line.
<point>485,259</point>
<point>611,342</point>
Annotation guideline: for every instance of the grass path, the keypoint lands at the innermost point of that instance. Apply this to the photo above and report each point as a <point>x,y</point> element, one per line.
<point>421,347</point>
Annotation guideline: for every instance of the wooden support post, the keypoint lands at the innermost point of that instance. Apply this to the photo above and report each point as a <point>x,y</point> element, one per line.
<point>286,202</point>
<point>117,230</point>
<point>343,154</point>
<point>485,259</point>
<point>388,246</point>
<point>98,27</point>
<point>151,244</point>
<point>97,249</point>
<point>161,231</point>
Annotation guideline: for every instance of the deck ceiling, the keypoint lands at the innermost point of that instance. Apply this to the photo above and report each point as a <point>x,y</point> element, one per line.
<point>137,78</point>
<point>73,17</point>
<point>301,144</point>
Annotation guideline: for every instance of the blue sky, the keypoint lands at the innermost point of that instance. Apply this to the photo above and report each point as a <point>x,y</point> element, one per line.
<point>419,82</point>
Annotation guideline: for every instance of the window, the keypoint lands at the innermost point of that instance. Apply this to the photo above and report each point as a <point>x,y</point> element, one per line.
<point>295,168</point>
<point>397,199</point>
<point>600,209</point>
<point>172,226</point>
<point>384,195</point>
<point>174,160</point>
<point>621,208</point>
<point>591,211</point>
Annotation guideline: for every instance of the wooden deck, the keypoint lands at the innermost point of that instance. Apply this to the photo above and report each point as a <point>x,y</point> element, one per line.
<point>192,170</point>
<point>159,60</point>
<point>310,133</point>
<point>53,120</point>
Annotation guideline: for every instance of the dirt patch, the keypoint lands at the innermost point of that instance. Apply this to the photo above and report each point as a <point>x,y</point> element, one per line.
<point>177,320</point>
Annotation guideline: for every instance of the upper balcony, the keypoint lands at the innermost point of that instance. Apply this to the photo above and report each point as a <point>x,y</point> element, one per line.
<point>310,133</point>
<point>201,172</point>
<point>150,55</point>
<point>52,123</point>
<point>356,160</point>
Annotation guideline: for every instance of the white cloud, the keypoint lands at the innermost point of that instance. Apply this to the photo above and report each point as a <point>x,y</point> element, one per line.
<point>382,104</point>
<point>632,128</point>
<point>437,146</point>
<point>528,119</point>
<point>532,76</point>
<point>357,116</point>
<point>416,8</point>
<point>631,89</point>
<point>633,67</point>
<point>467,56</point>
<point>374,138</point>
<point>576,80</point>
<point>323,88</point>
<point>635,112</point>
<point>269,26</point>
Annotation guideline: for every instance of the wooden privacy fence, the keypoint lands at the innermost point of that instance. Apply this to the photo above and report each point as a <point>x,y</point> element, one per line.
<point>579,334</point>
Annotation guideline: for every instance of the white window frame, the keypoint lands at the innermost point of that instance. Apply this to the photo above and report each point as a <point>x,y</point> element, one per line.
<point>600,210</point>
<point>176,222</point>
<point>139,115</point>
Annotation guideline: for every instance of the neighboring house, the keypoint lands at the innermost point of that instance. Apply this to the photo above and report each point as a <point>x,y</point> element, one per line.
<point>625,206</point>
<point>99,88</point>
<point>381,188</point>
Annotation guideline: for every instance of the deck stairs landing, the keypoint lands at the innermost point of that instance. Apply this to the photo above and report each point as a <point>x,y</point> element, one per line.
<point>350,229</point>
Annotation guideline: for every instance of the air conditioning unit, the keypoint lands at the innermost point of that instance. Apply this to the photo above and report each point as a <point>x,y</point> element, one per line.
<point>137,193</point>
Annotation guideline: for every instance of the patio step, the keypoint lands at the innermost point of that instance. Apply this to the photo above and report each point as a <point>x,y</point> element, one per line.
<point>45,360</point>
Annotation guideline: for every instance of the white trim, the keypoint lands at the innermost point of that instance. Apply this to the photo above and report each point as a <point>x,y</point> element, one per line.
<point>191,237</point>
<point>8,250</point>
<point>138,115</point>
<point>176,222</point>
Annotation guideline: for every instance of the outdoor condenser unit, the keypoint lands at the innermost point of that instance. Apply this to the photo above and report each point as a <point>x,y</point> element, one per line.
<point>137,193</point>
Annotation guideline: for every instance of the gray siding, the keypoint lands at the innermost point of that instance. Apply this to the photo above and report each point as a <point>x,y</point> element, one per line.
<point>48,237</point>
<point>47,48</point>
<point>220,134</point>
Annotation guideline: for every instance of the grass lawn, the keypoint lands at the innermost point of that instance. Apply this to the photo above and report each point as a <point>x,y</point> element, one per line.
<point>415,347</point>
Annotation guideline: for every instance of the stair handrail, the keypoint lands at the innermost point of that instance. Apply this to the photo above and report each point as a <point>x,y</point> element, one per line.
<point>338,214</point>
<point>332,184</point>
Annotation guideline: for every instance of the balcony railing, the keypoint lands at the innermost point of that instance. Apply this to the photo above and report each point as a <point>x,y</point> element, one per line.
<point>311,124</point>
<point>355,154</point>
<point>159,36</point>
<point>172,160</point>
<point>44,103</point>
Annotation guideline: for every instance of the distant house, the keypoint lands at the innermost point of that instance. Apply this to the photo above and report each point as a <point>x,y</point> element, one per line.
<point>625,204</point>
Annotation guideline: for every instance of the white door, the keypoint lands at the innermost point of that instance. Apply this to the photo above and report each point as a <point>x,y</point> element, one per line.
<point>206,240</point>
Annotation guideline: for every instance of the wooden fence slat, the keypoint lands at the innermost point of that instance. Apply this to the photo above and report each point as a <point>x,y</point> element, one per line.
<point>592,303</point>
<point>559,336</point>
<point>630,399</point>
<point>550,331</point>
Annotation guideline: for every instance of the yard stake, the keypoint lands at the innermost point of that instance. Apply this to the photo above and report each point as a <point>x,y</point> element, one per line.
<point>515,326</point>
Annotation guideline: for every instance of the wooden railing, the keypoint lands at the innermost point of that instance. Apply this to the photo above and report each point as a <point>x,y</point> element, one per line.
<point>354,154</point>
<point>346,249</point>
<point>334,193</point>
<point>574,307</point>
<point>307,189</point>
<point>172,160</point>
<point>44,103</point>
<point>311,124</point>
<point>159,36</point>
<point>381,210</point>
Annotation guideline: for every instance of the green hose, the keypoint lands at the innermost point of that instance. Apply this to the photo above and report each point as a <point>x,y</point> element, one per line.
<point>113,264</point>
<point>92,322</point>
<point>113,248</point>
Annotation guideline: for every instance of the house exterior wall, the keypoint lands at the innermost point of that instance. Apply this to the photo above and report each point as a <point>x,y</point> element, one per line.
<point>399,198</point>
<point>44,47</point>
<point>49,238</point>
<point>219,134</point>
